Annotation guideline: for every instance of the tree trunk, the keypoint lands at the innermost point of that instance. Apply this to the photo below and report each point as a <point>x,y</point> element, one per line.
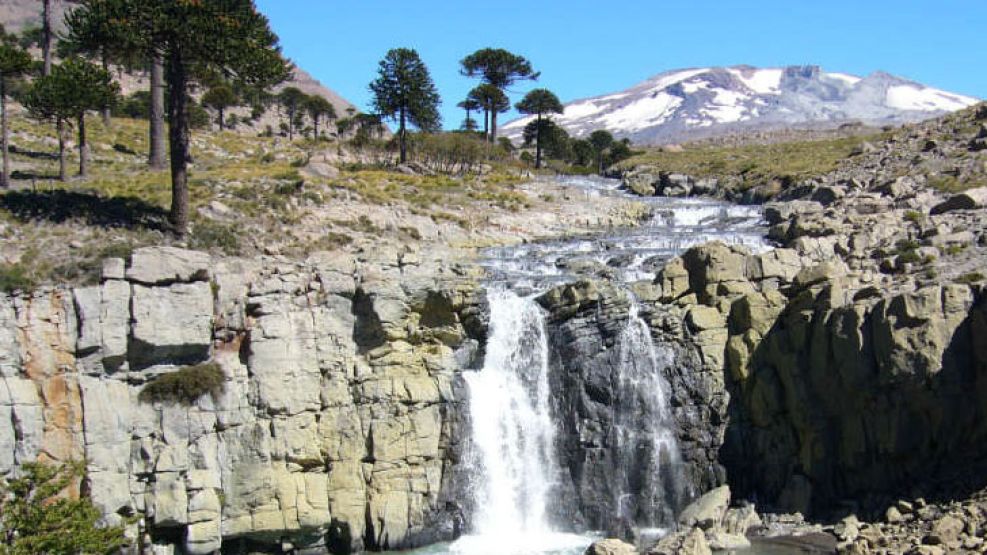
<point>403,133</point>
<point>315,126</point>
<point>156,155</point>
<point>486,124</point>
<point>538,142</point>
<point>178,139</point>
<point>107,116</point>
<point>47,36</point>
<point>493,126</point>
<point>222,120</point>
<point>4,135</point>
<point>63,161</point>
<point>83,148</point>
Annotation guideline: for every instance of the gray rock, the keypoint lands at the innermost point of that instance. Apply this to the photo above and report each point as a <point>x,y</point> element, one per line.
<point>166,265</point>
<point>967,200</point>
<point>171,324</point>
<point>708,511</point>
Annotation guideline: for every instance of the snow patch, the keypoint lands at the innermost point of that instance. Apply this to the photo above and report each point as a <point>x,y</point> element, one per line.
<point>643,113</point>
<point>761,81</point>
<point>910,97</point>
<point>727,106</point>
<point>580,110</point>
<point>663,82</point>
<point>844,77</point>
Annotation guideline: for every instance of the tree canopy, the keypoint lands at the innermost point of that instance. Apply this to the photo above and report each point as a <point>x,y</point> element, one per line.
<point>193,38</point>
<point>14,62</point>
<point>318,107</point>
<point>539,102</point>
<point>404,92</point>
<point>219,98</point>
<point>500,69</point>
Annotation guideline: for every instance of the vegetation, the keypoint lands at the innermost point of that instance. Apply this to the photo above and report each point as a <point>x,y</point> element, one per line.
<point>789,161</point>
<point>186,385</point>
<point>73,88</point>
<point>14,62</point>
<point>318,107</point>
<point>541,103</point>
<point>192,39</point>
<point>39,515</point>
<point>404,92</point>
<point>220,97</point>
<point>500,69</point>
<point>969,278</point>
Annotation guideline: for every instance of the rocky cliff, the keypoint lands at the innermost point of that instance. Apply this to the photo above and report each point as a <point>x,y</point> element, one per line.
<point>338,420</point>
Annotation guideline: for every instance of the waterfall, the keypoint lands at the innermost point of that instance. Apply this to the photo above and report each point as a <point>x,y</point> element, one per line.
<point>651,476</point>
<point>513,435</point>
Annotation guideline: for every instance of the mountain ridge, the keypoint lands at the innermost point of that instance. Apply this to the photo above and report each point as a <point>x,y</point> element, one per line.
<point>699,103</point>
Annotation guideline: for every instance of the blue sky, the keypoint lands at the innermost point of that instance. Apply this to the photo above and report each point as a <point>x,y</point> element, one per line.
<point>586,48</point>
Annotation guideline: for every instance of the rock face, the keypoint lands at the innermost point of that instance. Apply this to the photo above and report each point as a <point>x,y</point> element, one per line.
<point>339,423</point>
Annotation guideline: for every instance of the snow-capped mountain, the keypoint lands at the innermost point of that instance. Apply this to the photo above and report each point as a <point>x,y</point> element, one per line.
<point>698,103</point>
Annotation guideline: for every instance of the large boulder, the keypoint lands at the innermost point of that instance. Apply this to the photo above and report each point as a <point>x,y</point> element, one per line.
<point>166,265</point>
<point>610,547</point>
<point>967,200</point>
<point>708,511</point>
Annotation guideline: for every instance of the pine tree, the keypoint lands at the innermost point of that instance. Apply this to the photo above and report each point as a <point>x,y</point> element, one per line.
<point>193,39</point>
<point>219,98</point>
<point>293,100</point>
<point>14,62</point>
<point>318,107</point>
<point>404,91</point>
<point>493,101</point>
<point>35,516</point>
<point>470,104</point>
<point>73,88</point>
<point>539,102</point>
<point>499,68</point>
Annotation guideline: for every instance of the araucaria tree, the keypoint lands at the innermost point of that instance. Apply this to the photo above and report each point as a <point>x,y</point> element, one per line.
<point>539,102</point>
<point>499,68</point>
<point>14,62</point>
<point>405,93</point>
<point>470,105</point>
<point>492,100</point>
<point>73,88</point>
<point>195,38</point>
<point>318,107</point>
<point>219,98</point>
<point>293,101</point>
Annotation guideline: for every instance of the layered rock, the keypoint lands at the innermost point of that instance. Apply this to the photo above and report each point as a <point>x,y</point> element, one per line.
<point>339,422</point>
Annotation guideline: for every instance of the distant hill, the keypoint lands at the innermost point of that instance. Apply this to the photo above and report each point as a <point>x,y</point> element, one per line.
<point>700,103</point>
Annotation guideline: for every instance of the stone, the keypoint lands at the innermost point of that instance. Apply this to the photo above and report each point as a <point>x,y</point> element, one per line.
<point>675,185</point>
<point>819,273</point>
<point>171,324</point>
<point>708,511</point>
<point>695,544</point>
<point>722,541</point>
<point>967,200</point>
<point>610,547</point>
<point>946,530</point>
<point>321,169</point>
<point>166,265</point>
<point>114,268</point>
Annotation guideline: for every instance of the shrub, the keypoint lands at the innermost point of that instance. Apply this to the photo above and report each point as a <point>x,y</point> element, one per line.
<point>953,250</point>
<point>913,216</point>
<point>36,518</point>
<point>14,277</point>
<point>212,235</point>
<point>972,277</point>
<point>185,385</point>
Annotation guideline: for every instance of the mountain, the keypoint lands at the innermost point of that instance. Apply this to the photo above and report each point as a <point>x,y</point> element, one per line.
<point>699,103</point>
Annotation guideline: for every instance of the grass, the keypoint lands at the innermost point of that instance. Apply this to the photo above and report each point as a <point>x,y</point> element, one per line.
<point>186,385</point>
<point>756,163</point>
<point>15,277</point>
<point>970,278</point>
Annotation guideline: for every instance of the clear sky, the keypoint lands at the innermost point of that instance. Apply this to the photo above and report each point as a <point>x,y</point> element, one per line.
<point>587,48</point>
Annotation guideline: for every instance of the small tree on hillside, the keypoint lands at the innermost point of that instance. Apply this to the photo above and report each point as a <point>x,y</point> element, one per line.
<point>14,62</point>
<point>493,101</point>
<point>73,88</point>
<point>404,92</point>
<point>601,141</point>
<point>192,39</point>
<point>219,98</point>
<point>499,68</point>
<point>539,102</point>
<point>470,105</point>
<point>293,101</point>
<point>36,516</point>
<point>318,107</point>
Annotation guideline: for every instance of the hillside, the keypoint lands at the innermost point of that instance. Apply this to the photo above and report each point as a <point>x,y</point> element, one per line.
<point>690,104</point>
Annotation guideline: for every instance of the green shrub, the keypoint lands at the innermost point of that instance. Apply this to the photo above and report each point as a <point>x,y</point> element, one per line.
<point>913,216</point>
<point>212,235</point>
<point>268,158</point>
<point>185,385</point>
<point>972,277</point>
<point>909,257</point>
<point>953,250</point>
<point>14,277</point>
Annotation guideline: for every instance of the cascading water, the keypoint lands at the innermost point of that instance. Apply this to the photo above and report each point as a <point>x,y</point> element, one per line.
<point>653,481</point>
<point>515,474</point>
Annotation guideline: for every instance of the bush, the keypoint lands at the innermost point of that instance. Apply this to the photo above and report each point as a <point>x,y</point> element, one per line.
<point>972,277</point>
<point>35,516</point>
<point>15,277</point>
<point>186,385</point>
<point>211,235</point>
<point>913,216</point>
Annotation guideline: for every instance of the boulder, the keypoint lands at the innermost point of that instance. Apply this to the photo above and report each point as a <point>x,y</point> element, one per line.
<point>708,511</point>
<point>675,185</point>
<point>166,265</point>
<point>610,547</point>
<point>967,200</point>
<point>321,169</point>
